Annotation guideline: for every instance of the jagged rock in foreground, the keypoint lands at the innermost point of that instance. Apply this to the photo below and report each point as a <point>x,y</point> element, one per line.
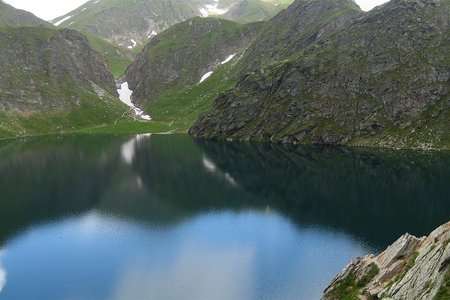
<point>411,268</point>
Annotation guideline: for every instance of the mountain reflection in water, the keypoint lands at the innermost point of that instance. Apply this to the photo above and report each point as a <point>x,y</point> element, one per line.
<point>168,216</point>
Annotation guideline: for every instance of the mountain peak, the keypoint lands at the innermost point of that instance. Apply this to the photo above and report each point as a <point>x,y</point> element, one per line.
<point>12,16</point>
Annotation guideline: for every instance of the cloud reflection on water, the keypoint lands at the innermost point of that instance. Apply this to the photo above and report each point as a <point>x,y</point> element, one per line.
<point>2,272</point>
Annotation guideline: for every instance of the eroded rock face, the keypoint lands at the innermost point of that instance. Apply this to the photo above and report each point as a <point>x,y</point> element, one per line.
<point>43,68</point>
<point>381,81</point>
<point>411,268</point>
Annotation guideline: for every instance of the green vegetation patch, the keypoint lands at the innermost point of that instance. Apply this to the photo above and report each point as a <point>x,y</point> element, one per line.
<point>350,287</point>
<point>444,290</point>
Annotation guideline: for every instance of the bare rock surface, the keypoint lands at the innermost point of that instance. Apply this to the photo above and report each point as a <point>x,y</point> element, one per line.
<point>411,268</point>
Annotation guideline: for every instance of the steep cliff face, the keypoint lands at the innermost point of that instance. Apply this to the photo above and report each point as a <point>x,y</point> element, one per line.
<point>132,23</point>
<point>182,55</point>
<point>382,81</point>
<point>16,17</point>
<point>53,74</point>
<point>411,268</point>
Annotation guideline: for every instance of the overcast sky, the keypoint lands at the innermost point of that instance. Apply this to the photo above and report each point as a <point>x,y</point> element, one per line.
<point>50,9</point>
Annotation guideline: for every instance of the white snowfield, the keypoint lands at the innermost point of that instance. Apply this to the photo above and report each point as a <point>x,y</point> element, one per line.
<point>62,21</point>
<point>153,33</point>
<point>228,59</point>
<point>125,96</point>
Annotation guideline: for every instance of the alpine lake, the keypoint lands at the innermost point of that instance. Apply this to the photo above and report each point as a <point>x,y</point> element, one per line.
<point>171,217</point>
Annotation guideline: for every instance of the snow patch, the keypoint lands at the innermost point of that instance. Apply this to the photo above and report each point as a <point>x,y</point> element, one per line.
<point>228,59</point>
<point>83,9</point>
<point>134,44</point>
<point>125,96</point>
<point>206,76</point>
<point>153,33</point>
<point>62,21</point>
<point>96,1</point>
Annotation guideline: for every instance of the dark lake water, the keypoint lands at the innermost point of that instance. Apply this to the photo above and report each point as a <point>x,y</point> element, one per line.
<point>169,217</point>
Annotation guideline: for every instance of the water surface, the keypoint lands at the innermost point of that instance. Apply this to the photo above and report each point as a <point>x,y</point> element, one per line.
<point>168,217</point>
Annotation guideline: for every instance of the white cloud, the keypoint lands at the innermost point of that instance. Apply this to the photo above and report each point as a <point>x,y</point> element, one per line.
<point>47,9</point>
<point>369,4</point>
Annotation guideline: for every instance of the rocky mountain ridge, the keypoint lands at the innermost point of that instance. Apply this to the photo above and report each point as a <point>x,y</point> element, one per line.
<point>294,29</point>
<point>132,23</point>
<point>411,268</point>
<point>380,81</point>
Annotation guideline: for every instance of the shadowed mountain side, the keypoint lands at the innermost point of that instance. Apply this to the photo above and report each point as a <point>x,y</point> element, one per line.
<point>48,179</point>
<point>162,180</point>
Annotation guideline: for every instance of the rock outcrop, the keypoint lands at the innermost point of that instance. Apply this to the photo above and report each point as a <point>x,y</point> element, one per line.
<point>40,67</point>
<point>52,80</point>
<point>411,268</point>
<point>382,80</point>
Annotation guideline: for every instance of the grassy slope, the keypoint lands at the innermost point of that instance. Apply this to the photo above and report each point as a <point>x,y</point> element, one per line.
<point>118,58</point>
<point>181,104</point>
<point>14,124</point>
<point>181,107</point>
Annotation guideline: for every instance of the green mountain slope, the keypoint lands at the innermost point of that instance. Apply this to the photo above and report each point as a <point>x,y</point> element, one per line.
<point>167,76</point>
<point>292,30</point>
<point>132,23</point>
<point>118,58</point>
<point>16,17</point>
<point>53,81</point>
<point>383,81</point>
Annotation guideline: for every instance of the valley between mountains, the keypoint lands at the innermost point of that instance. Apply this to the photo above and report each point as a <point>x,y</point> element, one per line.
<point>301,72</point>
